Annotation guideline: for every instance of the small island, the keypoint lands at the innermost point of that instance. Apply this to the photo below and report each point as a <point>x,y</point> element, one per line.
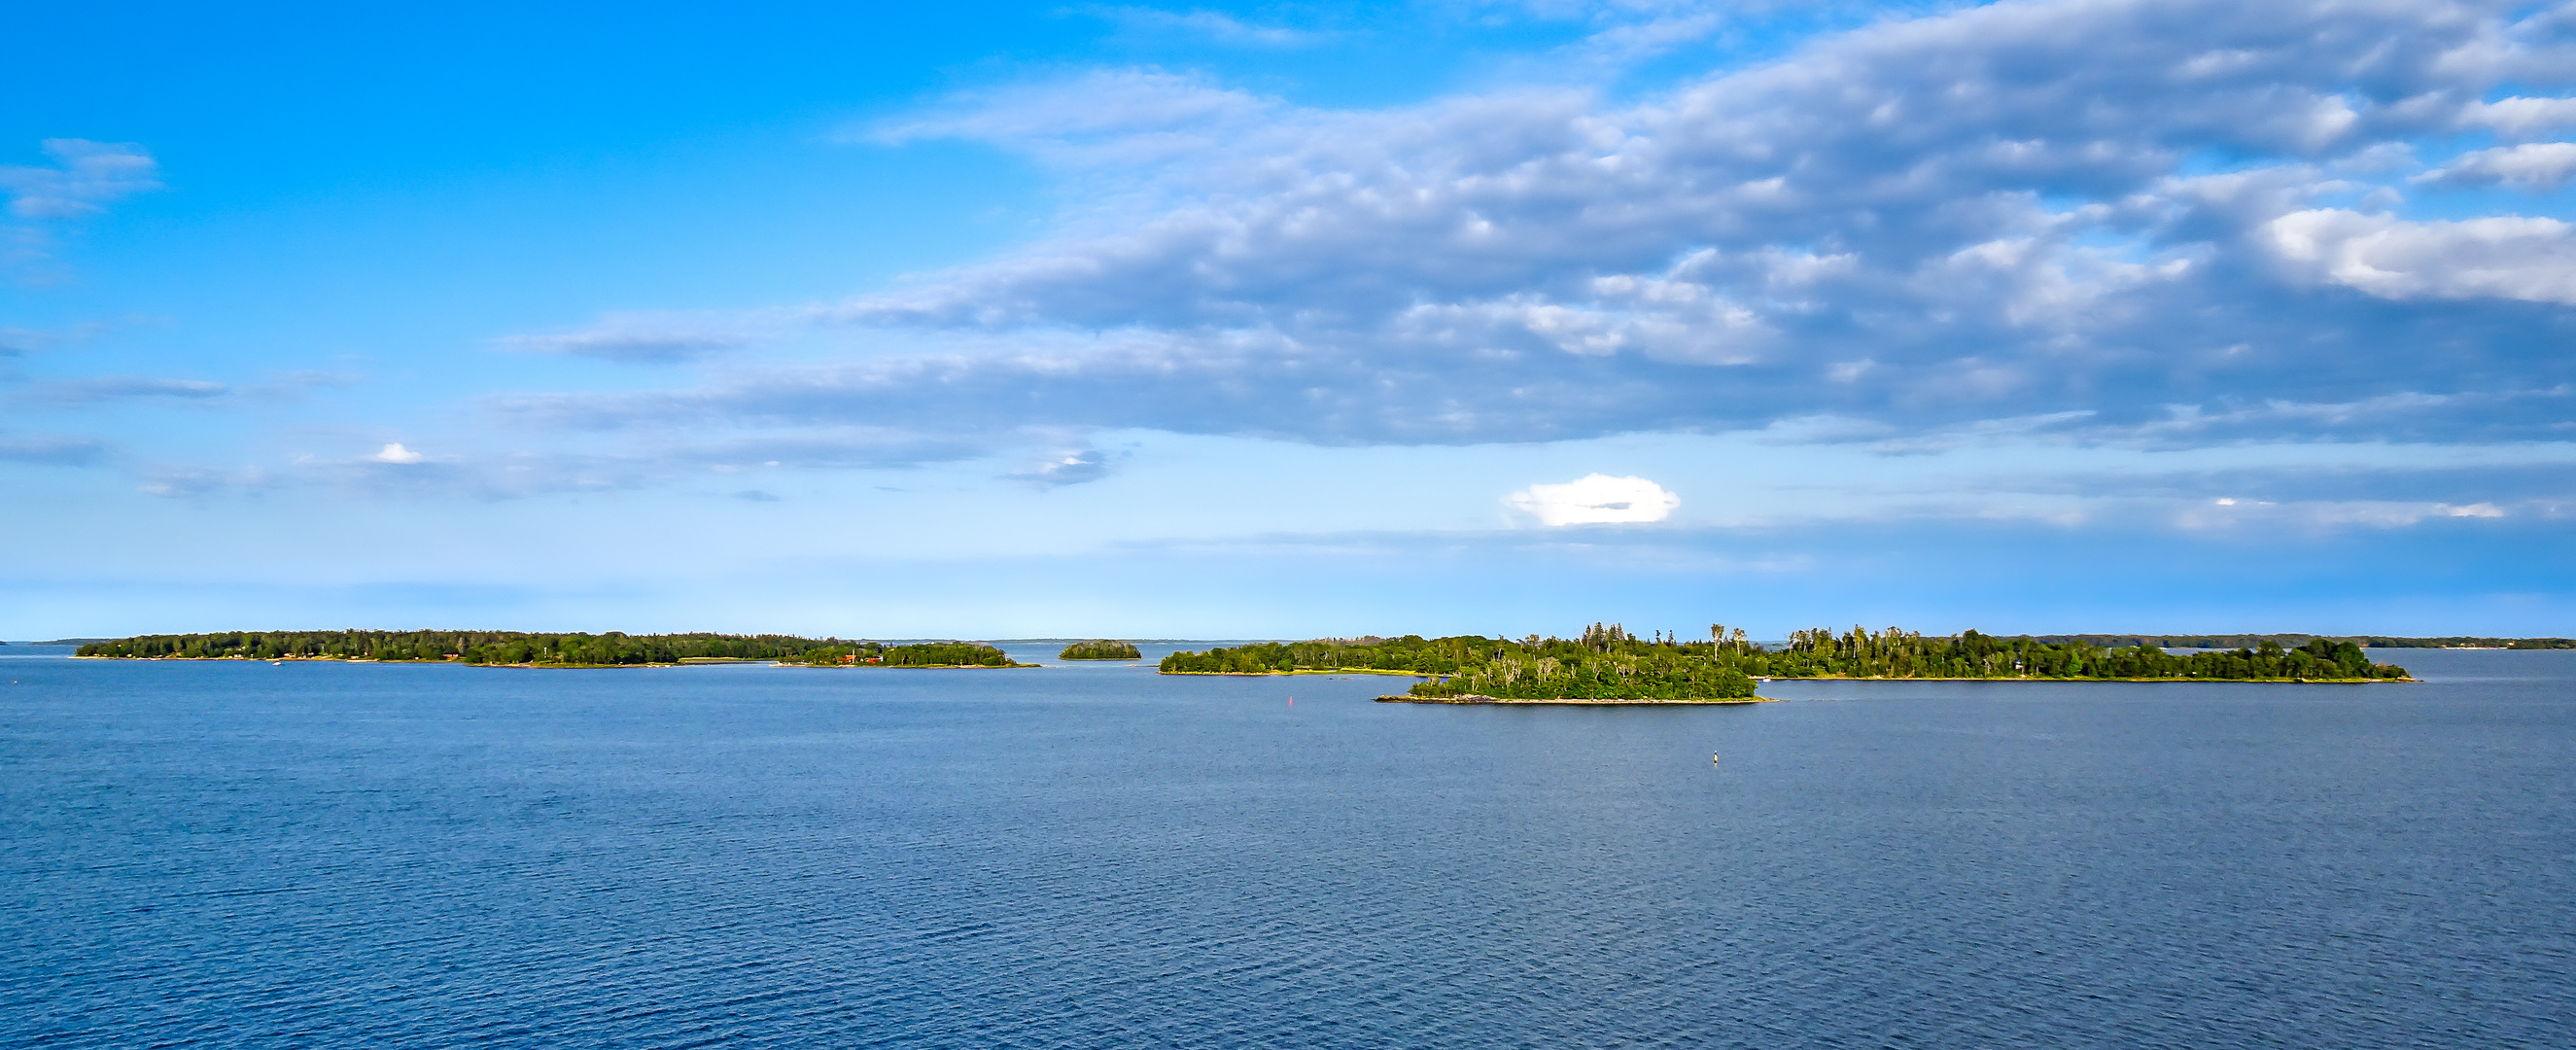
<point>919,654</point>
<point>1100,649</point>
<point>1606,664</point>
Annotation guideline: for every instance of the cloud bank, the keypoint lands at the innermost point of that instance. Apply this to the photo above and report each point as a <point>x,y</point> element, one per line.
<point>2145,221</point>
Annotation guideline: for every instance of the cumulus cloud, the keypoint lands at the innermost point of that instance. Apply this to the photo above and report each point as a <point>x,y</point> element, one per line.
<point>2532,165</point>
<point>2519,117</point>
<point>1920,225</point>
<point>1595,499</point>
<point>2152,223</point>
<point>85,177</point>
<point>395,453</point>
<point>2505,257</point>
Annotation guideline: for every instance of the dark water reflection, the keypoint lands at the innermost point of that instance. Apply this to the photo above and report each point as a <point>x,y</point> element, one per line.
<point>248,854</point>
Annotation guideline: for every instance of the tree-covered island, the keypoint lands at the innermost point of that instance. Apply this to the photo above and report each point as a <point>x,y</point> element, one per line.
<point>518,649</point>
<point>919,654</point>
<point>1609,664</point>
<point>1100,649</point>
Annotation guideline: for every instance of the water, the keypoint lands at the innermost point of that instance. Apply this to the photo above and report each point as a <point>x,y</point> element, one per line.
<point>230,854</point>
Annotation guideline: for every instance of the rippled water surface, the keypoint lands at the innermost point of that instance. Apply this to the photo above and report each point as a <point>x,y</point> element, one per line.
<point>236,854</point>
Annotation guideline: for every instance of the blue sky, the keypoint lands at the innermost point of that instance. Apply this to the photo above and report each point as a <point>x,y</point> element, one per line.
<point>1285,320</point>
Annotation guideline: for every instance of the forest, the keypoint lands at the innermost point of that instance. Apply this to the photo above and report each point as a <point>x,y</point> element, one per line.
<point>515,649</point>
<point>2293,641</point>
<point>920,654</point>
<point>1607,662</point>
<point>1100,649</point>
<point>472,647</point>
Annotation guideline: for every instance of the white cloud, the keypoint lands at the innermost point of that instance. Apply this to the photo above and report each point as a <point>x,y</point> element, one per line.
<point>2519,116</point>
<point>1067,468</point>
<point>1107,116</point>
<point>2534,165</point>
<point>86,176</point>
<point>1595,499</point>
<point>1213,25</point>
<point>106,388</point>
<point>1911,235</point>
<point>2504,257</point>
<point>56,450</point>
<point>628,343</point>
<point>395,453</point>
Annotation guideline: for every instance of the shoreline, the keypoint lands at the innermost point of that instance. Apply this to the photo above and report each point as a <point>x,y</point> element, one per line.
<point>907,667</point>
<point>1302,670</point>
<point>686,661</point>
<point>1837,678</point>
<point>1474,698</point>
<point>2032,678</point>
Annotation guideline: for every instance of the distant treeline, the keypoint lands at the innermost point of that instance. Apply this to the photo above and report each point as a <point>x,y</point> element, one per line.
<point>514,648</point>
<point>2292,641</point>
<point>472,647</point>
<point>1100,649</point>
<point>922,654</point>
<point>1410,653</point>
<point>1607,662</point>
<point>1894,653</point>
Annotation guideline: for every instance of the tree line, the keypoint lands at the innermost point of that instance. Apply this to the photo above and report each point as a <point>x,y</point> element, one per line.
<point>2293,641</point>
<point>1100,649</point>
<point>919,654</point>
<point>473,647</point>
<point>514,648</point>
<point>1894,653</point>
<point>1608,662</point>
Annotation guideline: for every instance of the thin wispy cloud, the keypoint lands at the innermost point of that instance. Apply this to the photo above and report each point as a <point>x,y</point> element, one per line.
<point>51,449</point>
<point>83,179</point>
<point>1067,468</point>
<point>645,338</point>
<point>98,389</point>
<point>1213,26</point>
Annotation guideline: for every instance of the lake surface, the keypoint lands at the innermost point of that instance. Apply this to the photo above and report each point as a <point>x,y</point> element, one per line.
<point>242,854</point>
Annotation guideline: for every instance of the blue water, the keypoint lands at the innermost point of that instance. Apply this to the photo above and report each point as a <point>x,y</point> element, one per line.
<point>229,854</point>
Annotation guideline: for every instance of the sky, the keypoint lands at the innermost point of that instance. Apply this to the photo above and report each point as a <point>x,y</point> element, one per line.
<point>1289,320</point>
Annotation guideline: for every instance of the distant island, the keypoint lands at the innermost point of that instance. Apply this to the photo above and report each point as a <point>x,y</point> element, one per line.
<point>922,654</point>
<point>1608,664</point>
<point>1100,649</point>
<point>519,649</point>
